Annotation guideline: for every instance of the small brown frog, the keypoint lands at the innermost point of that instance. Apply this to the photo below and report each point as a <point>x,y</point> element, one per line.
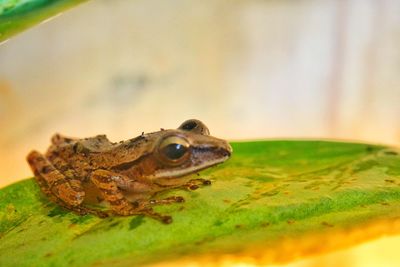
<point>77,173</point>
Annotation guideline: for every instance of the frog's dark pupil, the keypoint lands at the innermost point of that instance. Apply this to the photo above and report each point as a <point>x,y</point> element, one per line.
<point>189,126</point>
<point>174,151</point>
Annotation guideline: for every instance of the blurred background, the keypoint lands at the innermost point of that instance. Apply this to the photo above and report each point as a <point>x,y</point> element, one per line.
<point>249,69</point>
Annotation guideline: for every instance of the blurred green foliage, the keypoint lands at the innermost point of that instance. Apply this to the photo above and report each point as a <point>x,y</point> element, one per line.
<point>19,15</point>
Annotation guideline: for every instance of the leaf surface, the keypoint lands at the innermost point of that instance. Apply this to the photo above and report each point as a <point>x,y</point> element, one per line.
<point>267,193</point>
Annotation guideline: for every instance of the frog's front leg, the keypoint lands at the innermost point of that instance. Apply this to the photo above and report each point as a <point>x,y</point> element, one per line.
<point>105,181</point>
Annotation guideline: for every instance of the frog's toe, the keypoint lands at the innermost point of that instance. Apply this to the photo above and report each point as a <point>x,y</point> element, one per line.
<point>206,182</point>
<point>193,187</point>
<point>102,214</point>
<point>168,200</point>
<point>179,199</point>
<point>81,210</point>
<point>166,219</point>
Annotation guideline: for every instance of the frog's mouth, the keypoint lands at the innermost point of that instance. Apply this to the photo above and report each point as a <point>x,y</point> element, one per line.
<point>178,172</point>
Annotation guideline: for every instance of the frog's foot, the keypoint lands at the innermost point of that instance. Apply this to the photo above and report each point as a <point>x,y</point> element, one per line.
<point>159,217</point>
<point>196,183</point>
<point>82,210</point>
<point>143,208</point>
<point>104,181</point>
<point>119,204</point>
<point>168,200</point>
<point>148,212</point>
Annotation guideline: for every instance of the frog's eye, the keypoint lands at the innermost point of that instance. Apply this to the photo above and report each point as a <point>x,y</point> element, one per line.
<point>194,126</point>
<point>173,149</point>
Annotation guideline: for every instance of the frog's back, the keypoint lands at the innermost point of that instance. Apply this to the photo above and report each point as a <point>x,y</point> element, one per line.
<point>96,144</point>
<point>98,152</point>
<point>79,153</point>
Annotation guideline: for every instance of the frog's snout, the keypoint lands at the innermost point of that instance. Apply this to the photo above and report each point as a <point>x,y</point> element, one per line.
<point>230,150</point>
<point>214,146</point>
<point>227,150</point>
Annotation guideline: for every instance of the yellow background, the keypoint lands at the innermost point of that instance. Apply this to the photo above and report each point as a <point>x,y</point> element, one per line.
<point>248,69</point>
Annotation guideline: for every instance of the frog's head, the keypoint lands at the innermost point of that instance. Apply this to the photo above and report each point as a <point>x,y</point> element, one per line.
<point>188,149</point>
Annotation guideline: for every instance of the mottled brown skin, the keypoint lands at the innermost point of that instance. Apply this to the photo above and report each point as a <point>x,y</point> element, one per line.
<point>127,175</point>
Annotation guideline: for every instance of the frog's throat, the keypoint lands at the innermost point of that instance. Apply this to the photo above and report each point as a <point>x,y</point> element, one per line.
<point>186,171</point>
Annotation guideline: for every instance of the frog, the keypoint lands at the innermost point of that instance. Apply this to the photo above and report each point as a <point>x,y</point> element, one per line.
<point>96,176</point>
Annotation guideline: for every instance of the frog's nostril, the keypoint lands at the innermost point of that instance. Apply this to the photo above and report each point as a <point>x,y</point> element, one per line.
<point>226,152</point>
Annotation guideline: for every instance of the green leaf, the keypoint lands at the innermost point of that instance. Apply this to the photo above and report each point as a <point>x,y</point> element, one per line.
<point>267,194</point>
<point>18,15</point>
